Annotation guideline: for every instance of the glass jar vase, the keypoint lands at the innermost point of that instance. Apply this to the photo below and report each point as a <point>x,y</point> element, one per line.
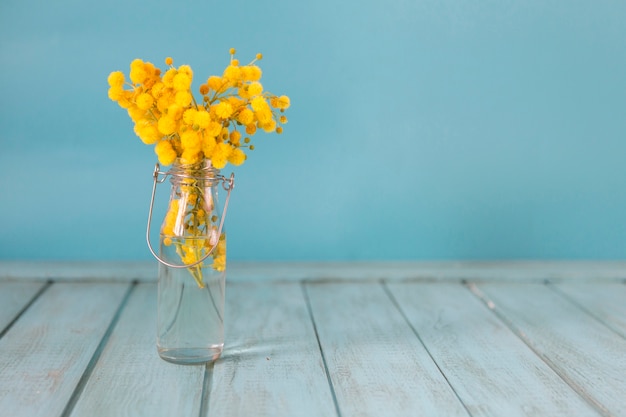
<point>192,264</point>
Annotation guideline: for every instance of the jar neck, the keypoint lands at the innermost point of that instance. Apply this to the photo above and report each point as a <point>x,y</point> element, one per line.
<point>198,171</point>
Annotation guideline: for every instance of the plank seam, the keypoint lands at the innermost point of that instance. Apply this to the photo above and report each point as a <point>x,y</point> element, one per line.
<point>207,384</point>
<point>584,309</point>
<point>319,345</point>
<point>491,305</point>
<point>26,307</point>
<point>396,304</point>
<point>80,387</point>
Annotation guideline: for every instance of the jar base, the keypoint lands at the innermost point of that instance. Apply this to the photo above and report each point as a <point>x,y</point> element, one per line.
<point>191,356</point>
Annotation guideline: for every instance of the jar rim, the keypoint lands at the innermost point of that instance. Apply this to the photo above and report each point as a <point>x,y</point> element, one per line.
<point>200,171</point>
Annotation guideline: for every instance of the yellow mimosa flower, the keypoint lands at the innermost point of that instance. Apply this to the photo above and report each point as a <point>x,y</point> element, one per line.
<point>167,125</point>
<point>245,116</point>
<point>208,144</point>
<point>116,79</point>
<point>190,140</point>
<point>283,102</point>
<point>137,72</point>
<point>237,157</point>
<point>144,101</point>
<point>202,118</point>
<point>116,93</point>
<point>232,73</point>
<point>181,81</point>
<point>189,116</point>
<point>251,129</point>
<point>166,154</point>
<point>234,137</point>
<point>255,88</point>
<point>183,98</point>
<point>215,83</point>
<point>223,110</point>
<point>251,73</point>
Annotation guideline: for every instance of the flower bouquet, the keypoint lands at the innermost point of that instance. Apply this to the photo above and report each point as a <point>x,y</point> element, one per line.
<point>195,134</point>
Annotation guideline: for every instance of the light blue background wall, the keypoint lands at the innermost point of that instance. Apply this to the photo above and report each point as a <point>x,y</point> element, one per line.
<point>419,129</point>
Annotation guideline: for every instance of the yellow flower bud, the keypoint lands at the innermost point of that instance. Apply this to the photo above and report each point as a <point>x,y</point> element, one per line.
<point>183,98</point>
<point>208,144</point>
<point>202,118</point>
<point>181,81</point>
<point>165,152</point>
<point>166,125</point>
<point>137,72</point>
<point>237,157</point>
<point>190,141</point>
<point>189,116</point>
<point>144,101</point>
<point>245,116</point>
<point>223,110</point>
<point>283,102</point>
<point>215,83</point>
<point>234,137</point>
<point>232,73</point>
<point>255,88</point>
<point>251,129</point>
<point>116,93</point>
<point>116,79</point>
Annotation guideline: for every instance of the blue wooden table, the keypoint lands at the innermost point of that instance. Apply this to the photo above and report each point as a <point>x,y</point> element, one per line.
<point>331,339</point>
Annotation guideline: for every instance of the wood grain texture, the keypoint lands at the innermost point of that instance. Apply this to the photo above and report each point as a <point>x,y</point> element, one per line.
<point>14,297</point>
<point>491,369</point>
<point>377,365</point>
<point>589,356</point>
<point>43,356</point>
<point>271,365</point>
<point>606,302</point>
<point>130,379</point>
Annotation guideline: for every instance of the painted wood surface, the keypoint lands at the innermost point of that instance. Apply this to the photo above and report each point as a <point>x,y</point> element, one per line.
<point>349,346</point>
<point>485,363</point>
<point>14,298</point>
<point>606,302</point>
<point>239,271</point>
<point>588,356</point>
<point>272,365</point>
<point>377,365</point>
<point>44,354</point>
<point>130,379</point>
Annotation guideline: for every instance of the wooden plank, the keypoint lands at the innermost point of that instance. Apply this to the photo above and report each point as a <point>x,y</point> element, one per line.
<point>605,301</point>
<point>589,356</point>
<point>14,297</point>
<point>130,379</point>
<point>44,354</point>
<point>377,365</point>
<point>525,271</point>
<point>271,365</point>
<point>111,271</point>
<point>240,271</point>
<point>491,369</point>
